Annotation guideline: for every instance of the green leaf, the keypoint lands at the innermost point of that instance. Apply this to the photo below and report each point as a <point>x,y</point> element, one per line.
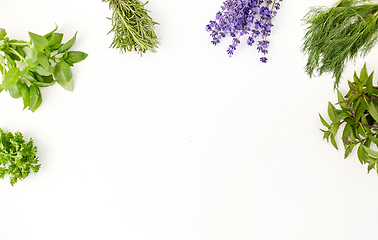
<point>371,152</point>
<point>3,33</point>
<point>346,133</point>
<point>349,149</point>
<point>340,117</point>
<point>40,42</point>
<point>363,74</point>
<point>356,78</point>
<point>56,41</point>
<point>361,154</point>
<point>11,78</point>
<point>63,75</point>
<point>361,131</point>
<point>373,111</point>
<point>43,60</point>
<point>326,134</point>
<point>44,81</point>
<point>75,57</point>
<point>341,100</point>
<point>340,97</point>
<point>25,95</point>
<point>31,56</point>
<point>369,85</point>
<point>65,47</point>
<point>15,92</point>
<point>334,128</point>
<point>333,141</point>
<point>324,122</point>
<point>43,71</point>
<point>373,139</point>
<point>49,35</point>
<point>331,111</point>
<point>35,98</point>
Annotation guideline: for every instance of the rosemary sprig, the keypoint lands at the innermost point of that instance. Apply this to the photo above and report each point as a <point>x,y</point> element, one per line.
<point>133,28</point>
<point>336,35</point>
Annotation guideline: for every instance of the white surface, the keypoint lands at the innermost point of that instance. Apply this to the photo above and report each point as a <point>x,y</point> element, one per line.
<point>183,144</point>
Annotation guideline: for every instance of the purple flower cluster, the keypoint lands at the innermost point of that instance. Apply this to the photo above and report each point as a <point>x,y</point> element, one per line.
<point>245,17</point>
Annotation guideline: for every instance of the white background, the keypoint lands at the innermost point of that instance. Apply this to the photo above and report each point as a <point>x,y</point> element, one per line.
<point>185,143</point>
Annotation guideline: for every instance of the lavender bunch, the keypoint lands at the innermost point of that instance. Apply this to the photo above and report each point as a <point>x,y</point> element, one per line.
<point>245,17</point>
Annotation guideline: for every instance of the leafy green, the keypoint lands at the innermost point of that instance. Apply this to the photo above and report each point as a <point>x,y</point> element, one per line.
<point>27,66</point>
<point>133,28</point>
<point>336,35</point>
<point>359,116</point>
<point>17,157</point>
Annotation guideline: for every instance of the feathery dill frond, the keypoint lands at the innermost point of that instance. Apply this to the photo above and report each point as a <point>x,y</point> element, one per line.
<point>336,35</point>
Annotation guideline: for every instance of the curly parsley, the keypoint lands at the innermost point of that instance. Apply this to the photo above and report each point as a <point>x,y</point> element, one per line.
<point>17,157</point>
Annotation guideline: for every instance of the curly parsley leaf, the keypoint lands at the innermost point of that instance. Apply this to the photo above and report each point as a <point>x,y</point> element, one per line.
<point>17,157</point>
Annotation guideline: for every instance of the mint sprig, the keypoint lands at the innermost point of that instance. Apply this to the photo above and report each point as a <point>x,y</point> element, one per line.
<point>44,60</point>
<point>358,113</point>
<point>17,157</point>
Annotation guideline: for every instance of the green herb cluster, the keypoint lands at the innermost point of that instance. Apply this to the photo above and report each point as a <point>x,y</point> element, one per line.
<point>17,157</point>
<point>133,28</point>
<point>27,66</point>
<point>358,112</point>
<point>337,34</point>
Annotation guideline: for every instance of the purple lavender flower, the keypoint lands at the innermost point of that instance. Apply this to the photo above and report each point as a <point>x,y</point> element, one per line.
<point>252,18</point>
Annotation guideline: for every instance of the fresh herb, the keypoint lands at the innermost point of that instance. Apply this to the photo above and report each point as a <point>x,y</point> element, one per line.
<point>337,34</point>
<point>245,17</point>
<point>17,157</point>
<point>133,28</point>
<point>359,112</point>
<point>26,66</point>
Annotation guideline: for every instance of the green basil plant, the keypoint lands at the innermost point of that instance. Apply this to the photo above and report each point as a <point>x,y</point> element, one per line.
<point>27,66</point>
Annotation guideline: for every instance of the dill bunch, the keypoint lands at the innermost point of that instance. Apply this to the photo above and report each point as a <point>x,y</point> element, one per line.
<point>133,28</point>
<point>336,35</point>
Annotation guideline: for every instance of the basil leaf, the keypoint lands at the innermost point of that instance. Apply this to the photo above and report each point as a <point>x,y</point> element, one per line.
<point>55,41</point>
<point>15,92</point>
<point>49,35</point>
<point>44,81</point>
<point>11,78</point>
<point>35,98</point>
<point>25,95</point>
<point>40,42</point>
<point>65,47</point>
<point>32,56</point>
<point>3,33</point>
<point>75,57</point>
<point>63,75</point>
<point>43,71</point>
